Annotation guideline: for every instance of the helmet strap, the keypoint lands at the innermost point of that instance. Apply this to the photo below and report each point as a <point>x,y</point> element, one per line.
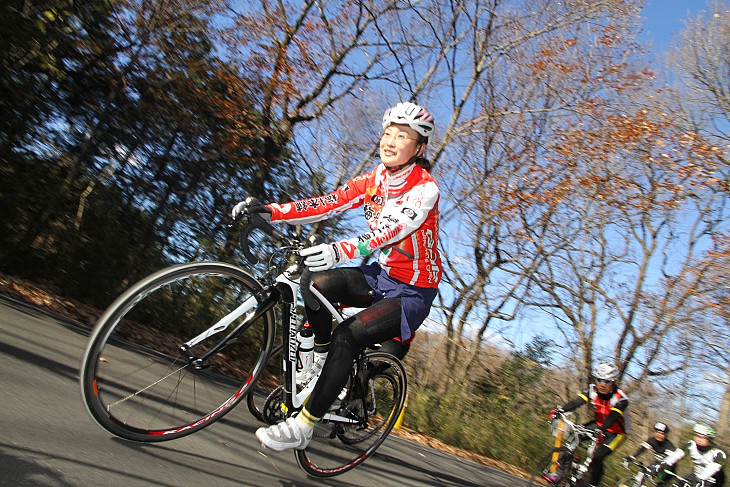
<point>412,160</point>
<point>396,169</point>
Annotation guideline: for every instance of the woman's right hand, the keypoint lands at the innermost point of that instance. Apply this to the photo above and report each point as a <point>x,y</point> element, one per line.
<point>244,208</point>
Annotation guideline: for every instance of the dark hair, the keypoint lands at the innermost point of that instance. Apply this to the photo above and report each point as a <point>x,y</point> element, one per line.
<point>424,163</point>
<point>420,160</point>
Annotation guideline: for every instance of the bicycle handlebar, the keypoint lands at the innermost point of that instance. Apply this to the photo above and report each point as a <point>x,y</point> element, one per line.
<point>646,469</point>
<point>594,434</point>
<point>256,221</point>
<point>635,462</point>
<point>638,463</point>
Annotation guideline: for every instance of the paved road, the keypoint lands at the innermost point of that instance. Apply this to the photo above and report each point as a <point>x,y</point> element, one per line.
<point>48,439</point>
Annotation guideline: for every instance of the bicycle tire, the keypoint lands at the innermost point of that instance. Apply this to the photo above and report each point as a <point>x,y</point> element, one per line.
<point>338,447</point>
<point>548,464</point>
<point>356,433</point>
<point>137,383</point>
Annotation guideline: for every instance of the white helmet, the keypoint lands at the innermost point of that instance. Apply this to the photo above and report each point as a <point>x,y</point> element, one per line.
<point>415,116</point>
<point>605,371</point>
<point>704,430</point>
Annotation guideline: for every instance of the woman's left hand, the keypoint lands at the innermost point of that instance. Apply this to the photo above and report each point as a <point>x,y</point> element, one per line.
<point>322,257</point>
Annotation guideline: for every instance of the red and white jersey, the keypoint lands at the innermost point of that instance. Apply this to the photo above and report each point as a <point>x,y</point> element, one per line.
<point>401,211</point>
<point>618,402</point>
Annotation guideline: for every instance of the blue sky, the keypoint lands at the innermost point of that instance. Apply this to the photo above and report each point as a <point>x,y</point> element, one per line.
<point>663,18</point>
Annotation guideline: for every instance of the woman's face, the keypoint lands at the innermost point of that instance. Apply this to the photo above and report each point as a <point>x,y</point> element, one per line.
<point>398,144</point>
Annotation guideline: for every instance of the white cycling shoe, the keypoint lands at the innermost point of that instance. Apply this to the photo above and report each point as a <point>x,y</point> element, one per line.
<point>292,433</point>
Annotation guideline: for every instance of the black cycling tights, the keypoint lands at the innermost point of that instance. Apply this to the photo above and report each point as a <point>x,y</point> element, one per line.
<point>597,463</point>
<point>378,323</point>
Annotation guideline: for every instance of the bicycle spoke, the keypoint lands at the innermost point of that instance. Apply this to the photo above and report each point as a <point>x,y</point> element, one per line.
<point>137,380</point>
<point>338,446</point>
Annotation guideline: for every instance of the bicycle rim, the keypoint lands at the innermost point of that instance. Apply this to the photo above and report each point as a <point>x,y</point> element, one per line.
<point>337,447</point>
<point>558,463</point>
<point>135,381</point>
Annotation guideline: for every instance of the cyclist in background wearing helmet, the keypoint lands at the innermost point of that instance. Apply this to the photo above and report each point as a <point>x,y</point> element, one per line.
<point>660,445</point>
<point>708,459</point>
<point>610,404</point>
<point>400,202</point>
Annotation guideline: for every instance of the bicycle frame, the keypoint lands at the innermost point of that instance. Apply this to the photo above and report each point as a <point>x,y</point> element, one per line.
<point>288,288</point>
<point>285,290</point>
<point>680,481</point>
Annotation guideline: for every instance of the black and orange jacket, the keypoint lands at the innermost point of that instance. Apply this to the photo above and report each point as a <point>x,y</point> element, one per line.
<point>610,408</point>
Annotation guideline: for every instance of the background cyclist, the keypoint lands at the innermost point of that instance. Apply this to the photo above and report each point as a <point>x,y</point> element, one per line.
<point>400,201</point>
<point>659,444</point>
<point>610,404</point>
<point>708,459</point>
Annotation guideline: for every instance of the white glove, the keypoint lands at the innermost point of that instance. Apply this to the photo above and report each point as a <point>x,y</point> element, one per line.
<point>238,209</point>
<point>322,257</point>
<point>243,207</point>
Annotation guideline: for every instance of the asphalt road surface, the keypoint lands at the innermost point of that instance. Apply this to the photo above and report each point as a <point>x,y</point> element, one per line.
<point>48,439</point>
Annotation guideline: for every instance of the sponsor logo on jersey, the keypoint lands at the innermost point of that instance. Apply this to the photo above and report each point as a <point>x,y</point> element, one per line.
<point>409,213</point>
<point>314,203</point>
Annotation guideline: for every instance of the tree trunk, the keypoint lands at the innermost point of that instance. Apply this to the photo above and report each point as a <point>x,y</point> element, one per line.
<point>723,428</point>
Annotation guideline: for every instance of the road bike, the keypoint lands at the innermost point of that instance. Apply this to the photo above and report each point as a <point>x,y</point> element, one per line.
<point>642,478</point>
<point>184,346</point>
<point>645,477</point>
<point>569,460</point>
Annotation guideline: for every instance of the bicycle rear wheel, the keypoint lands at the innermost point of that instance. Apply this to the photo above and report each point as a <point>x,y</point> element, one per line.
<point>138,383</point>
<point>338,446</point>
<point>554,469</point>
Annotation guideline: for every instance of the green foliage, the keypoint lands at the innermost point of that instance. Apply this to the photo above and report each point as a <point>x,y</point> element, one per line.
<point>504,419</point>
<point>91,262</point>
<point>124,143</point>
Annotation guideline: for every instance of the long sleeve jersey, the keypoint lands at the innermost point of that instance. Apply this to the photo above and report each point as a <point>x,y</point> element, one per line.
<point>707,463</point>
<point>660,449</point>
<point>402,213</point>
<point>609,408</point>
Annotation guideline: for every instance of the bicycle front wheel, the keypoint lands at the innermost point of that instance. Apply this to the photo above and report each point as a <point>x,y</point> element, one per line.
<point>141,382</point>
<point>338,445</point>
<point>554,469</point>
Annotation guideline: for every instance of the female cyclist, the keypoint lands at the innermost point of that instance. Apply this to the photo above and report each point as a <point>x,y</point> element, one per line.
<point>400,201</point>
